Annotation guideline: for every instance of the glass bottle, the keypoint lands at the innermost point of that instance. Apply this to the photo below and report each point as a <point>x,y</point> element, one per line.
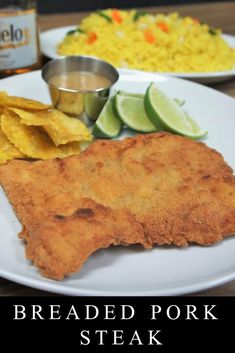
<point>19,41</point>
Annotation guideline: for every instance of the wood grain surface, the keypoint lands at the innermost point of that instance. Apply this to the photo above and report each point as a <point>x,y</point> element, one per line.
<point>219,15</point>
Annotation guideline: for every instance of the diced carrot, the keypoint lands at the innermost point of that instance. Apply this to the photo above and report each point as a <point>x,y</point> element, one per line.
<point>195,21</point>
<point>116,16</point>
<point>149,36</point>
<point>91,38</point>
<point>163,26</point>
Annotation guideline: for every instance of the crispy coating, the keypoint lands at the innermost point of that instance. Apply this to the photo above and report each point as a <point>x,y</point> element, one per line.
<point>62,244</point>
<point>176,190</point>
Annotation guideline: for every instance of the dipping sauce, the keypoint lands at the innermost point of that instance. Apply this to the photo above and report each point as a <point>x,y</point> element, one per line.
<point>80,80</point>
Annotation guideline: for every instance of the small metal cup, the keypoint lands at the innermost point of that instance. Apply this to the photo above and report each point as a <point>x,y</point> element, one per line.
<point>82,104</point>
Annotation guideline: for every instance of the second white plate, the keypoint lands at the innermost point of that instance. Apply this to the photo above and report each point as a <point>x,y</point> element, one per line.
<point>50,40</point>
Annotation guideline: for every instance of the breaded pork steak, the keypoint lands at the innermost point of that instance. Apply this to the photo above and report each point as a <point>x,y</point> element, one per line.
<point>63,244</point>
<point>150,189</point>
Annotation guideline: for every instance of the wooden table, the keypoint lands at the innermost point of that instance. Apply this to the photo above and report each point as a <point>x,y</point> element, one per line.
<point>218,15</point>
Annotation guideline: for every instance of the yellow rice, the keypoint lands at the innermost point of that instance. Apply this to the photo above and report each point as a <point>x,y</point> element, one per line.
<point>186,46</point>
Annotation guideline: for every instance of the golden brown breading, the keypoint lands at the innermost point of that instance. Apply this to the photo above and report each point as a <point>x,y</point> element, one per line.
<point>178,190</point>
<point>63,244</point>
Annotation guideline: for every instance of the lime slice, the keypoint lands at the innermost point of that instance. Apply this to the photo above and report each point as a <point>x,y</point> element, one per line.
<point>107,125</point>
<point>180,102</point>
<point>128,94</point>
<point>130,110</point>
<point>166,114</point>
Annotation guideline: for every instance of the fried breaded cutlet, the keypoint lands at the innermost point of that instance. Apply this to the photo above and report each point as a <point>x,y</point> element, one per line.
<point>76,237</point>
<point>150,189</point>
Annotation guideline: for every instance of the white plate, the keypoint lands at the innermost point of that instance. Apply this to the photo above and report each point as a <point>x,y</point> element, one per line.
<point>50,39</point>
<point>132,270</point>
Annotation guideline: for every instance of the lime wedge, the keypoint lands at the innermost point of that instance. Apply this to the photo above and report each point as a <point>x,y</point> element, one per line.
<point>167,115</point>
<point>128,94</point>
<point>107,125</point>
<point>180,102</point>
<point>130,110</point>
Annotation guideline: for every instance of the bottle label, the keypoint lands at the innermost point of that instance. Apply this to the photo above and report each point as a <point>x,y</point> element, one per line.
<point>18,40</point>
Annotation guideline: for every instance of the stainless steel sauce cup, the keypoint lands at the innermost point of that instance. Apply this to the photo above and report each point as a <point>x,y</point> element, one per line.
<point>82,104</point>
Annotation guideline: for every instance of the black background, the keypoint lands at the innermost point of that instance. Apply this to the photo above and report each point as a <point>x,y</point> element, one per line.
<point>177,336</point>
<point>56,6</point>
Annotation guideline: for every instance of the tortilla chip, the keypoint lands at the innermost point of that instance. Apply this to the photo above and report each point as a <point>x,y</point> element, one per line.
<point>33,141</point>
<point>7,150</point>
<point>3,158</point>
<point>61,128</point>
<point>23,103</point>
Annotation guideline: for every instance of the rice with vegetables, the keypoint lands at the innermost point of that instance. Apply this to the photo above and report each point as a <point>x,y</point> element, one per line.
<point>165,43</point>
